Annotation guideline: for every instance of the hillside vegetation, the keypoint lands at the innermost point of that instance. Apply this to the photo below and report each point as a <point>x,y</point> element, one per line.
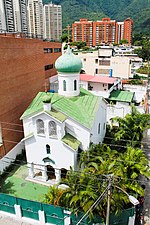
<point>138,10</point>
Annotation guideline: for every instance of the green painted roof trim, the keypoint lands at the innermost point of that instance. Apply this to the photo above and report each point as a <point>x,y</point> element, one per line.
<point>122,96</point>
<point>82,108</point>
<point>57,115</point>
<point>71,141</point>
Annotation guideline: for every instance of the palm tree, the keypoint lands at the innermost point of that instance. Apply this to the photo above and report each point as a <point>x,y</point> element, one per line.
<point>131,127</point>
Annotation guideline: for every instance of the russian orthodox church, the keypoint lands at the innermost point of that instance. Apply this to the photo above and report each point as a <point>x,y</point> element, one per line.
<point>59,126</point>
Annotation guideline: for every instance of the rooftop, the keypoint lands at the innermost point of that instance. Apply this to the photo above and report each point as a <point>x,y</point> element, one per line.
<point>82,108</point>
<point>98,79</point>
<point>121,96</point>
<point>71,141</point>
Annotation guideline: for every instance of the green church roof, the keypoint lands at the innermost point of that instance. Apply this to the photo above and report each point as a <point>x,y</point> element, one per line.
<point>82,108</point>
<point>68,62</point>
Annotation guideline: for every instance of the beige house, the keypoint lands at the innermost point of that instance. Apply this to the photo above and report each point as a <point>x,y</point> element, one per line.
<point>105,64</point>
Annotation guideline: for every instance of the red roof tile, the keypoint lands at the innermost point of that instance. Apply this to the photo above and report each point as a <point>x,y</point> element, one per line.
<point>98,79</point>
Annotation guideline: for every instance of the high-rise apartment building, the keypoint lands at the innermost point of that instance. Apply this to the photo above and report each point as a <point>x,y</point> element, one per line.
<point>128,27</point>
<point>119,31</point>
<point>104,31</point>
<point>20,15</point>
<point>2,17</point>
<point>52,21</point>
<point>83,31</point>
<point>13,16</point>
<point>9,15</point>
<point>35,17</point>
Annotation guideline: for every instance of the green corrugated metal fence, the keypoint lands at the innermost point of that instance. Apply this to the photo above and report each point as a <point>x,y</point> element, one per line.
<point>7,203</point>
<point>29,208</point>
<point>55,214</point>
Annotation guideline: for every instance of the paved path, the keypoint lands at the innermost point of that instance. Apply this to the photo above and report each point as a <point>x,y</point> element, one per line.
<point>146,148</point>
<point>11,220</point>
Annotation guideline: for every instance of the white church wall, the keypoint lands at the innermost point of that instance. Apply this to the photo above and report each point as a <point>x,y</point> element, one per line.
<point>97,137</point>
<point>36,152</point>
<point>79,132</point>
<point>27,126</point>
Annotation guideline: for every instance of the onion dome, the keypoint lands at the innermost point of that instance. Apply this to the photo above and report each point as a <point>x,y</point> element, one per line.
<point>68,62</point>
<point>46,99</point>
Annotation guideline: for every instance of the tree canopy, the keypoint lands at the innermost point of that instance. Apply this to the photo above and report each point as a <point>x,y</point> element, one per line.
<point>101,161</point>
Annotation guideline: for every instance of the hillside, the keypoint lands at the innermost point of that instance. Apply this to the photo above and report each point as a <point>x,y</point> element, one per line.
<point>138,10</point>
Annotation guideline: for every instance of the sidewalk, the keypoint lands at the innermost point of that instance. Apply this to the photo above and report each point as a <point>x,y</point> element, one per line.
<point>12,220</point>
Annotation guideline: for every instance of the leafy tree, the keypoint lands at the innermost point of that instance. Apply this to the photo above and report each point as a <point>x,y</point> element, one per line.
<point>54,196</point>
<point>144,52</point>
<point>131,127</point>
<point>123,41</point>
<point>64,38</point>
<point>79,44</point>
<point>144,70</point>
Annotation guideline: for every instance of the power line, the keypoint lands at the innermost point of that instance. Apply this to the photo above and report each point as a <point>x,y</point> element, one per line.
<point>77,171</point>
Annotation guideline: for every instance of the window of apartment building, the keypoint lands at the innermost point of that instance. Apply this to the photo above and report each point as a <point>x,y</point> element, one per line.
<point>96,60</point>
<point>57,49</point>
<point>48,67</point>
<point>96,71</point>
<point>104,62</point>
<point>48,50</point>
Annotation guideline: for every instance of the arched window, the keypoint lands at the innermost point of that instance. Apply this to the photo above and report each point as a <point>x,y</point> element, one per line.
<point>40,126</point>
<point>64,85</point>
<point>75,85</point>
<point>48,150</point>
<point>99,128</point>
<point>52,128</point>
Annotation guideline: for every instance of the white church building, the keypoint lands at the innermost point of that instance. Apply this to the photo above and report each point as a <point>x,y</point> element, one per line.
<point>59,126</point>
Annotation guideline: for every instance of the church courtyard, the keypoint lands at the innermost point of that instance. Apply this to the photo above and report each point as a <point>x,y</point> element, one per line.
<point>15,184</point>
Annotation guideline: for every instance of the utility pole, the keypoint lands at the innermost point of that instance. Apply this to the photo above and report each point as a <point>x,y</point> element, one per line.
<point>108,201</point>
<point>148,90</point>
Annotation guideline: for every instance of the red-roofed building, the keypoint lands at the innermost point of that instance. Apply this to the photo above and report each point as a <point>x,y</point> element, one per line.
<point>98,85</point>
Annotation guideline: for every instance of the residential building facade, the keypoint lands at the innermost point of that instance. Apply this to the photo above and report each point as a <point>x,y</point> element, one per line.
<point>104,31</point>
<point>2,17</point>
<point>13,16</point>
<point>83,31</point>
<point>20,15</point>
<point>103,63</point>
<point>9,15</point>
<point>35,18</point>
<point>52,21</point>
<point>128,28</point>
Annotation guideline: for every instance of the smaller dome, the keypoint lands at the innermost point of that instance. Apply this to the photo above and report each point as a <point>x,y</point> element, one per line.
<point>68,62</point>
<point>46,99</point>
